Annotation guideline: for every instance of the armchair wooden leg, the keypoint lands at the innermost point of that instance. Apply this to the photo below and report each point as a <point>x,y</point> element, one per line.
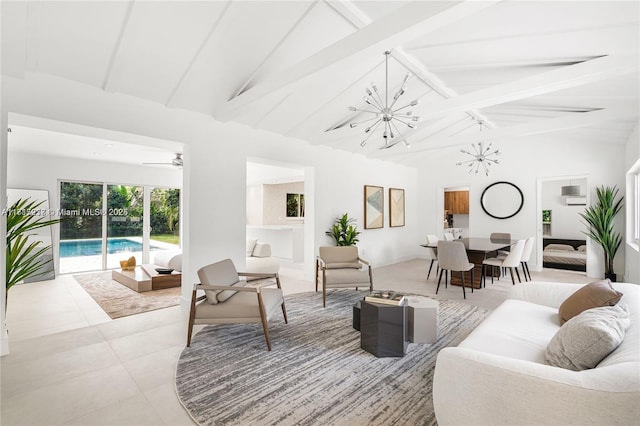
<point>324,289</point>
<point>284,312</point>
<point>278,280</point>
<point>263,317</point>
<point>464,294</point>
<point>439,279</point>
<point>192,317</point>
<point>317,267</point>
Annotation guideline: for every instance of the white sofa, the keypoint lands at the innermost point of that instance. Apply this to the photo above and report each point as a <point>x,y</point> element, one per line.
<point>497,375</point>
<point>259,258</point>
<point>168,259</point>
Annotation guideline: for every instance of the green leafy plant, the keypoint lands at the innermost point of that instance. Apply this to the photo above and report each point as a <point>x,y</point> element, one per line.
<point>344,231</point>
<point>24,256</point>
<point>599,218</point>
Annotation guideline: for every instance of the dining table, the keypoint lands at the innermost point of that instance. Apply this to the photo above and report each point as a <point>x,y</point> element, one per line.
<point>478,249</point>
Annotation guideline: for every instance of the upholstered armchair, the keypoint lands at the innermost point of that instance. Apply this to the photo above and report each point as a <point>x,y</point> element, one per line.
<point>227,300</point>
<point>341,267</point>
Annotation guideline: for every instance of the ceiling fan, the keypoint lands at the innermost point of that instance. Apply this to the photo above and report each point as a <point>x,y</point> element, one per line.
<point>177,161</point>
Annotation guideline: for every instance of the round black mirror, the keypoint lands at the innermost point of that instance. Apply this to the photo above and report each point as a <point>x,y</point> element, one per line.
<point>502,200</point>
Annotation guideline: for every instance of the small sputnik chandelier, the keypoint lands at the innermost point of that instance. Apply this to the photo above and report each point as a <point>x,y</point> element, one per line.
<point>384,112</point>
<point>482,157</point>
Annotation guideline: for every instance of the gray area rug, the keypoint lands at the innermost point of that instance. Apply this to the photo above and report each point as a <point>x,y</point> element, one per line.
<point>316,373</point>
<point>118,300</point>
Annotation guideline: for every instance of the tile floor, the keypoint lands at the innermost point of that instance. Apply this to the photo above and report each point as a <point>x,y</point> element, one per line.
<point>70,364</point>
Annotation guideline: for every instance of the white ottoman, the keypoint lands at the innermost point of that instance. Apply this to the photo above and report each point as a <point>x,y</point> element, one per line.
<point>423,319</point>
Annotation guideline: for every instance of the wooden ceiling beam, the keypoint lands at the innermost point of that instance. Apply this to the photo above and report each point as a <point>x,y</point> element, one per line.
<point>550,125</point>
<point>407,23</point>
<point>580,74</point>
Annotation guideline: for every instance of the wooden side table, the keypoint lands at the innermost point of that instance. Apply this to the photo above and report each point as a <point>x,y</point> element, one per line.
<point>383,329</point>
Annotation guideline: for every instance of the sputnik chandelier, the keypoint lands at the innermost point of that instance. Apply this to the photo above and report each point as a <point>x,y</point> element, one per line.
<point>384,112</point>
<point>482,157</point>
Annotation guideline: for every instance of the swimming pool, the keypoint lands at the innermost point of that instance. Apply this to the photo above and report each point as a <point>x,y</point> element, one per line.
<point>73,248</point>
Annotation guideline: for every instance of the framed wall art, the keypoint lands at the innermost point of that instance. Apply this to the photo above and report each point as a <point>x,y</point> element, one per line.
<point>396,207</point>
<point>373,207</point>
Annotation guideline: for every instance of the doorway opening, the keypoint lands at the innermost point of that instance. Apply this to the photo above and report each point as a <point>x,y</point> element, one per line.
<point>455,221</point>
<point>277,210</point>
<point>562,243</point>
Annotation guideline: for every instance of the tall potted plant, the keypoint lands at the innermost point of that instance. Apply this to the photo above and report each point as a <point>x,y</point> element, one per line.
<point>599,219</point>
<point>24,257</point>
<point>344,231</point>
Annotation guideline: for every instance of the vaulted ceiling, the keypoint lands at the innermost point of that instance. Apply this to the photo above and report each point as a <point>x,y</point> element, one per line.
<point>294,67</point>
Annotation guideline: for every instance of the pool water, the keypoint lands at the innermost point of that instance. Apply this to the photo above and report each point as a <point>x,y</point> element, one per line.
<point>72,248</point>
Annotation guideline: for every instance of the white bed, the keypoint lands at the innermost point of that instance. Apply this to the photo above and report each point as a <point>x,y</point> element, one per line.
<point>560,255</point>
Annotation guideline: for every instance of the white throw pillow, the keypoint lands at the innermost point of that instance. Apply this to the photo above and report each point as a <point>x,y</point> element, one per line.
<point>586,339</point>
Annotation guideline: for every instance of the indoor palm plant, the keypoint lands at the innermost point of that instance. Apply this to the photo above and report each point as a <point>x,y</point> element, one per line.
<point>344,231</point>
<point>599,219</point>
<point>24,256</point>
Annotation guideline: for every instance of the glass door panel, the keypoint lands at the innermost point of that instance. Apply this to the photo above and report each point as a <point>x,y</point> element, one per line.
<point>124,224</point>
<point>81,229</point>
<point>164,215</point>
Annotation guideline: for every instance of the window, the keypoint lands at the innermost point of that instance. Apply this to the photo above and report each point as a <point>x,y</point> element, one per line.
<point>632,206</point>
<point>636,208</point>
<point>295,205</point>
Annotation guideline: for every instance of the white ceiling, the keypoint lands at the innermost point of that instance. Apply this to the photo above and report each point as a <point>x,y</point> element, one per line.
<point>293,67</point>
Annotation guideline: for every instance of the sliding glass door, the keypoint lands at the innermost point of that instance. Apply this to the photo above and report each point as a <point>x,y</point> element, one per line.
<point>81,242</point>
<point>124,224</point>
<point>107,223</point>
<point>164,215</point>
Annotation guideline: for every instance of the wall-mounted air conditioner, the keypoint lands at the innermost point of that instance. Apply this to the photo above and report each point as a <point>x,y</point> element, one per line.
<point>576,201</point>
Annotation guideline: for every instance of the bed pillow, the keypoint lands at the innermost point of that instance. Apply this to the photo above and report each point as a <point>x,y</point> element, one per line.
<point>586,339</point>
<point>559,247</point>
<point>582,249</point>
<point>593,295</point>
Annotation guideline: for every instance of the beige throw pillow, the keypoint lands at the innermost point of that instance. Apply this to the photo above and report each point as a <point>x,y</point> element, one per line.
<point>586,339</point>
<point>594,295</point>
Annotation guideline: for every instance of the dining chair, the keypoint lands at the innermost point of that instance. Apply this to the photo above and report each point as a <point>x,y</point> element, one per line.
<point>448,236</point>
<point>500,237</point>
<point>432,253</point>
<point>526,255</point>
<point>511,261</point>
<point>452,256</point>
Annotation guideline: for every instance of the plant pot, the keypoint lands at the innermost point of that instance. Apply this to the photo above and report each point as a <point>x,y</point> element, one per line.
<point>612,277</point>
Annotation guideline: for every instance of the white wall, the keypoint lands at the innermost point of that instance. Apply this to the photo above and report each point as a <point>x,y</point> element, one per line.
<point>522,162</point>
<point>565,220</point>
<point>254,205</point>
<point>632,255</point>
<point>215,157</point>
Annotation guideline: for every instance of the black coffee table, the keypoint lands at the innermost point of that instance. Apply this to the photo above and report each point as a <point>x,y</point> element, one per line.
<point>383,329</point>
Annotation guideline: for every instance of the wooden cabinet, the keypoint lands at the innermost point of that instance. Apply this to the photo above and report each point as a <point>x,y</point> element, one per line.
<point>456,202</point>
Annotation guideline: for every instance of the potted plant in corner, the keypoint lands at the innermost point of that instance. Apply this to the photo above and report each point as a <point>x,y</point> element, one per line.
<point>599,219</point>
<point>344,231</point>
<point>24,257</point>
